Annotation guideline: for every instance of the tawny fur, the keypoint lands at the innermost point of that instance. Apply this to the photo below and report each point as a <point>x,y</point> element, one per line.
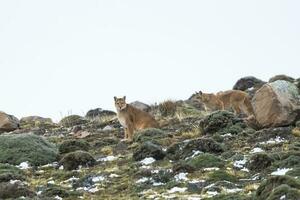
<point>238,100</point>
<point>133,119</point>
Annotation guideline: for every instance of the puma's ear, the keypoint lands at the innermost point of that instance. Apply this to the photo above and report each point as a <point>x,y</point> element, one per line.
<point>124,98</point>
<point>115,98</point>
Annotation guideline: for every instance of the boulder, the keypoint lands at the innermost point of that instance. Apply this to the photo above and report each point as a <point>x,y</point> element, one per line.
<point>276,104</point>
<point>248,82</point>
<point>281,77</point>
<point>99,113</point>
<point>18,148</point>
<point>141,106</point>
<point>8,122</point>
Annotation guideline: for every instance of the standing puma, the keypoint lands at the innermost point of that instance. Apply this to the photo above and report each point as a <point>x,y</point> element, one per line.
<point>133,119</point>
<point>237,100</point>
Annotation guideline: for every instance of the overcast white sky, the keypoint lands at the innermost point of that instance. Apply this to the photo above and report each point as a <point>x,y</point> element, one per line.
<point>63,56</point>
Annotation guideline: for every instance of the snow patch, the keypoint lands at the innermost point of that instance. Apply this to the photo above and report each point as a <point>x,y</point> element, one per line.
<point>177,189</point>
<point>277,140</point>
<point>235,190</point>
<point>58,197</point>
<point>148,161</point>
<point>212,193</point>
<point>281,172</point>
<point>24,165</point>
<point>240,163</point>
<point>108,159</point>
<point>181,177</point>
<point>256,150</point>
<point>142,180</point>
<point>97,179</point>
<point>211,169</point>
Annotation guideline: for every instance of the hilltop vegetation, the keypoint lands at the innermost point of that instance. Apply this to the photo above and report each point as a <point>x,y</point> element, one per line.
<point>196,153</point>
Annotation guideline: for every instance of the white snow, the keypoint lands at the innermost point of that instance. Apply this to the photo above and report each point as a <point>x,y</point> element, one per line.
<point>212,193</point>
<point>97,179</point>
<point>70,180</point>
<point>245,169</point>
<point>195,153</point>
<point>240,163</point>
<point>227,135</point>
<point>277,140</point>
<point>15,181</point>
<point>256,150</point>
<point>181,177</point>
<point>108,159</point>
<point>281,172</point>
<point>114,176</point>
<point>93,190</point>
<point>58,197</point>
<point>148,161</point>
<point>211,169</point>
<point>51,182</point>
<point>142,180</point>
<point>158,183</point>
<point>177,189</point>
<point>282,197</point>
<point>194,198</point>
<point>235,190</point>
<point>24,165</point>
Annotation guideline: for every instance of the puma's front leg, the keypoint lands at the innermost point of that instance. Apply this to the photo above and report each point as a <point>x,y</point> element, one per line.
<point>126,133</point>
<point>130,133</point>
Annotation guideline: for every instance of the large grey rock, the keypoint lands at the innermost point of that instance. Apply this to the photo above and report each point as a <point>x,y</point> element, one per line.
<point>98,113</point>
<point>276,104</point>
<point>8,122</point>
<point>141,106</point>
<point>248,82</point>
<point>281,77</point>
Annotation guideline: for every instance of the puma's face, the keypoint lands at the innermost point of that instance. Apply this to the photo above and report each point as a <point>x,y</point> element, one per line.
<point>120,103</point>
<point>203,97</point>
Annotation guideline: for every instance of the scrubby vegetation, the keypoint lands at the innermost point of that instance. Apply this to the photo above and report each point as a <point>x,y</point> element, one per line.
<point>18,148</point>
<point>195,154</point>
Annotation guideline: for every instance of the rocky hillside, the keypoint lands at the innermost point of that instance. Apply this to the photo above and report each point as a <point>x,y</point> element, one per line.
<point>195,155</point>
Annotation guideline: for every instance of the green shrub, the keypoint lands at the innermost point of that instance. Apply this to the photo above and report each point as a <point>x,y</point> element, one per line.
<point>221,175</point>
<point>269,186</point>
<point>9,172</point>
<point>205,160</point>
<point>72,120</point>
<point>167,108</point>
<point>73,145</point>
<point>73,160</point>
<point>18,148</point>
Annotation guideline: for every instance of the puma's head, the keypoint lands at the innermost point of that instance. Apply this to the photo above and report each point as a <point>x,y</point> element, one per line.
<point>203,97</point>
<point>120,103</point>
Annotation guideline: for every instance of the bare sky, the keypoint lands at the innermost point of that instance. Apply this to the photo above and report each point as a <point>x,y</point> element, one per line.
<point>68,56</point>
